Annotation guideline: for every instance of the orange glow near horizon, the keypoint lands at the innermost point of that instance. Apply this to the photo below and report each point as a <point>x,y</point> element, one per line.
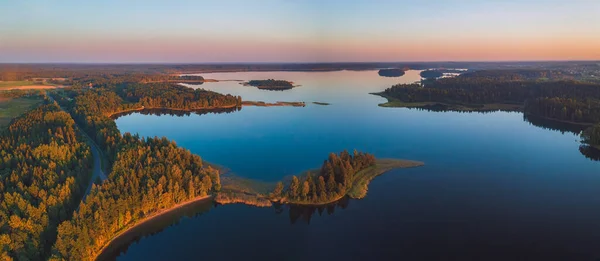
<point>307,31</point>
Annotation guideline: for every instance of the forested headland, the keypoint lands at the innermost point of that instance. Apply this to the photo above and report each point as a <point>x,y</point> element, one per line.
<point>340,175</point>
<point>271,84</point>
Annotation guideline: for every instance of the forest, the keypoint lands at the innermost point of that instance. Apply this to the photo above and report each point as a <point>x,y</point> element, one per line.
<point>519,75</point>
<point>44,170</point>
<point>149,175</point>
<point>271,84</point>
<point>431,74</point>
<point>331,182</point>
<point>174,96</point>
<point>391,72</point>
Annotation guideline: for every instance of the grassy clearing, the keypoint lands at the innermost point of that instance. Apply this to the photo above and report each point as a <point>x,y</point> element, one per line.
<point>6,84</point>
<point>231,182</point>
<point>11,108</point>
<point>9,85</point>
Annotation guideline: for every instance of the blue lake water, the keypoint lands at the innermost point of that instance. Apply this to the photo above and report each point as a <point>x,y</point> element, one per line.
<point>494,186</point>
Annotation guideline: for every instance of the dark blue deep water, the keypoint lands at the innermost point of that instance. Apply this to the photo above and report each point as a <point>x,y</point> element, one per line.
<point>494,187</point>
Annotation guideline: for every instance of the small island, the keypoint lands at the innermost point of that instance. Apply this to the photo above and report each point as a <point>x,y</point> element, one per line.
<point>322,103</point>
<point>431,74</point>
<point>271,84</point>
<point>391,72</point>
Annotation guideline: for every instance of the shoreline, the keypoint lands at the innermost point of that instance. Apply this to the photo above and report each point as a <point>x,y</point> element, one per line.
<point>148,219</point>
<point>582,124</point>
<point>430,105</point>
<point>244,103</point>
<point>111,115</point>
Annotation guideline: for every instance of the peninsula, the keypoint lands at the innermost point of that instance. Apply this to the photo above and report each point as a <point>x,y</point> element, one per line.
<point>341,175</point>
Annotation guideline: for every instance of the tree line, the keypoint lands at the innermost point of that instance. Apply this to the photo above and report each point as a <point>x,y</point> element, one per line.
<point>173,96</point>
<point>44,169</point>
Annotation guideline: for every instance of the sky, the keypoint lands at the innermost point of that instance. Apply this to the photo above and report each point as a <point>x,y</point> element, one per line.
<point>223,31</point>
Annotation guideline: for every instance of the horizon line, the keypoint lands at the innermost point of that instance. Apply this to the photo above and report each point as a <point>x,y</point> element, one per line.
<point>252,63</point>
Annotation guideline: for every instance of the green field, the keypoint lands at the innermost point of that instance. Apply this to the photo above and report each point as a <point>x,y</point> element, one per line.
<point>6,84</point>
<point>11,108</point>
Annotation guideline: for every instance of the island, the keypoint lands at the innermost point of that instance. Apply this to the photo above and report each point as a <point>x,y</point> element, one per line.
<point>431,74</point>
<point>391,72</point>
<point>322,103</point>
<point>270,84</point>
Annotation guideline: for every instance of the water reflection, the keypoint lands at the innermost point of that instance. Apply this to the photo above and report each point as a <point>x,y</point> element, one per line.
<point>178,113</point>
<point>442,107</point>
<point>590,152</point>
<point>305,213</point>
<point>156,225</point>
<point>549,124</point>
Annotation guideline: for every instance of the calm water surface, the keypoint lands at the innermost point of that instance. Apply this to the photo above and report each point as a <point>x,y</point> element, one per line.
<point>494,187</point>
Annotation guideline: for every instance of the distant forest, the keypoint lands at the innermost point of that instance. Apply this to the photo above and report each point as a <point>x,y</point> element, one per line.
<point>391,72</point>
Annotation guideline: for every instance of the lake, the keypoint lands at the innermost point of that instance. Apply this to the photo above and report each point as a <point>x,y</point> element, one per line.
<point>494,187</point>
